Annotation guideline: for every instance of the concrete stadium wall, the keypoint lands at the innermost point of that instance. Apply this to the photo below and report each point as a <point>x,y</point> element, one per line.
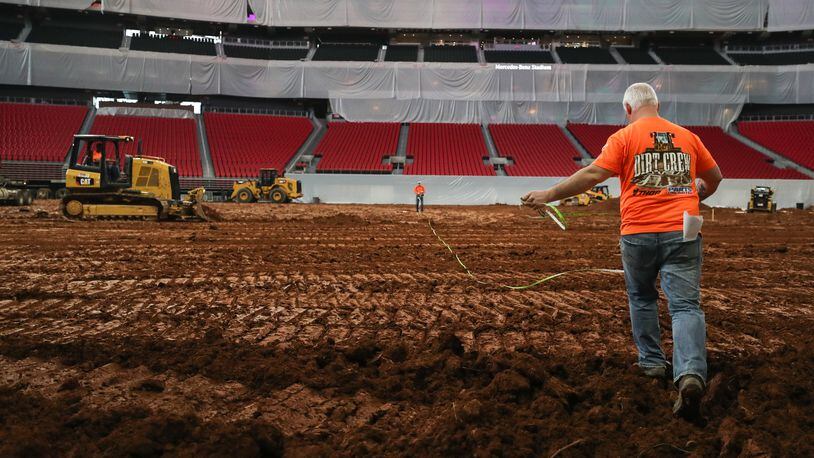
<point>456,190</point>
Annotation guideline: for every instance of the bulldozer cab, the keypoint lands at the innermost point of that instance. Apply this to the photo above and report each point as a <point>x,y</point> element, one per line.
<point>98,162</point>
<point>268,177</point>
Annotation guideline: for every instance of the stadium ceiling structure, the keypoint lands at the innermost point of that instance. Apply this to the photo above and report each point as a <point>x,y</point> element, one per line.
<point>588,15</point>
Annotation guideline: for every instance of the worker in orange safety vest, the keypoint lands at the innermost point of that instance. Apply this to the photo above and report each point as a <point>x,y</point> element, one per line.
<point>95,158</point>
<point>419,197</point>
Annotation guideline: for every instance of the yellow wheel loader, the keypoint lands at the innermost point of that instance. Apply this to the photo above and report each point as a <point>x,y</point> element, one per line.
<point>271,186</point>
<point>101,182</point>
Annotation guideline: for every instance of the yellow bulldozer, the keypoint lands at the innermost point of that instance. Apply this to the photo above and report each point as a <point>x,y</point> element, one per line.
<point>271,186</point>
<point>597,194</point>
<point>102,182</point>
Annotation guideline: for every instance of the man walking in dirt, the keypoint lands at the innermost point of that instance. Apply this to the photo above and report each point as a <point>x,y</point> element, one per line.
<point>673,171</point>
<point>419,197</point>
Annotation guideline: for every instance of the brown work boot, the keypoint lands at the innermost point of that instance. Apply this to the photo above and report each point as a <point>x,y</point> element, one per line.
<point>690,391</point>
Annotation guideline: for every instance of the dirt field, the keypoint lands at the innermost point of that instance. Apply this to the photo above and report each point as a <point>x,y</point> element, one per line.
<point>348,330</point>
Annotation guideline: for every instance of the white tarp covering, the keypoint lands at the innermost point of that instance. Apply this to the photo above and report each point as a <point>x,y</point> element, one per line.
<point>631,15</point>
<point>15,63</point>
<point>201,10</point>
<point>145,112</point>
<point>493,112</point>
<point>387,13</point>
<point>68,4</point>
<point>791,15</point>
<point>450,92</point>
<point>304,13</point>
<point>517,14</point>
<point>455,190</point>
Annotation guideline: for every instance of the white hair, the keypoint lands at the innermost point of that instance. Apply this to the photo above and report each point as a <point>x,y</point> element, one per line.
<point>639,95</point>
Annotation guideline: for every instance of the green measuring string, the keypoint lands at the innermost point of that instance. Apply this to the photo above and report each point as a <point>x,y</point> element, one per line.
<point>552,212</point>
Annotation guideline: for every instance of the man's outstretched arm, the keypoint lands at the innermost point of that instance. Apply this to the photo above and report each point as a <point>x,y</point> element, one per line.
<point>581,181</point>
<point>707,182</point>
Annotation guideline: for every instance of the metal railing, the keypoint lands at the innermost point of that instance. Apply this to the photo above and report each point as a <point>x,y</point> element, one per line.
<point>777,117</point>
<point>43,100</point>
<point>761,49</point>
<point>257,110</point>
<point>258,42</point>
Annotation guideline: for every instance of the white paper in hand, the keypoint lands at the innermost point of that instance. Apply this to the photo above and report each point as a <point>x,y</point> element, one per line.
<point>692,226</point>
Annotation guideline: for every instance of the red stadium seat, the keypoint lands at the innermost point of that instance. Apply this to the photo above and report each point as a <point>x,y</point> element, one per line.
<point>593,137</point>
<point>38,132</point>
<point>736,159</point>
<point>357,147</point>
<point>242,144</point>
<point>173,139</point>
<point>540,150</point>
<point>787,138</point>
<point>447,149</point>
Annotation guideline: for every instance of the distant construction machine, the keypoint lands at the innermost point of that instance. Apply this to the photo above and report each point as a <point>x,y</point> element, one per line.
<point>102,182</point>
<point>270,186</point>
<point>761,199</point>
<point>10,195</point>
<point>597,194</point>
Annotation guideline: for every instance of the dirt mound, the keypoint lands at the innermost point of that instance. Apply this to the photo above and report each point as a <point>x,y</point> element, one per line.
<point>210,213</point>
<point>431,399</point>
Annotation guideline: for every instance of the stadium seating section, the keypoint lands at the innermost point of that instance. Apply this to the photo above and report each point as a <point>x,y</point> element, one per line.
<point>592,137</point>
<point>242,144</point>
<point>636,56</point>
<point>252,52</point>
<point>787,138</point>
<point>447,149</point>
<point>350,52</point>
<point>173,139</point>
<point>519,57</point>
<point>174,44</point>
<point>585,56</point>
<point>10,28</point>
<point>537,149</point>
<point>691,56</point>
<point>73,36</point>
<point>450,54</point>
<point>401,53</point>
<point>357,147</point>
<point>38,132</point>
<point>738,160</point>
<point>775,58</point>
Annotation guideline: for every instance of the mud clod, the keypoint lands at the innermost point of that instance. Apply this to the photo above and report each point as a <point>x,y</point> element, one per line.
<point>151,385</point>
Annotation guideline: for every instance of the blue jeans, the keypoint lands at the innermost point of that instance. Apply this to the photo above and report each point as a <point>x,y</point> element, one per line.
<point>644,256</point>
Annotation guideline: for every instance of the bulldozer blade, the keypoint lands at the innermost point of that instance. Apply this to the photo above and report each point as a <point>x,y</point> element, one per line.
<point>200,211</point>
<point>206,212</point>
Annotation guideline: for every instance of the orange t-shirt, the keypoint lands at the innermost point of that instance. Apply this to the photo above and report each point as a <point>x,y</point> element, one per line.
<point>657,162</point>
<point>419,189</point>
